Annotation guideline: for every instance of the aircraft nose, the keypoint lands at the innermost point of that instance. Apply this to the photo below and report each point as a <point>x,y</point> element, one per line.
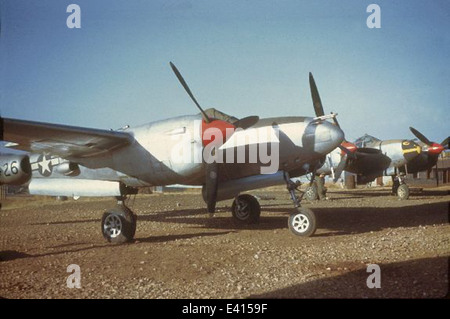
<point>328,136</point>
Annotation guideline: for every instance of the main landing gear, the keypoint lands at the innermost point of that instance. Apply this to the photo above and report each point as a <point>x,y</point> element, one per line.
<point>399,187</point>
<point>246,209</point>
<point>119,224</point>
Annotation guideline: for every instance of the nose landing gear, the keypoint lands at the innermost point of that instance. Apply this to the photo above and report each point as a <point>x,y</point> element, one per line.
<point>399,187</point>
<point>302,222</point>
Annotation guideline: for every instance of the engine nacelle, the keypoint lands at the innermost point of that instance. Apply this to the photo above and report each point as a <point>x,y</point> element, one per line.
<point>14,169</point>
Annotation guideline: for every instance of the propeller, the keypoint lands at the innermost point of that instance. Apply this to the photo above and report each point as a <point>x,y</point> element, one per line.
<point>317,103</point>
<point>445,143</point>
<point>211,186</point>
<point>420,136</point>
<point>434,149</point>
<point>188,90</point>
<point>243,123</point>
<point>212,169</point>
<point>348,149</point>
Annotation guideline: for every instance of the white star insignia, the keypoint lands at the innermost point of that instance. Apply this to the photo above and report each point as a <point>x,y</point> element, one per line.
<point>44,164</point>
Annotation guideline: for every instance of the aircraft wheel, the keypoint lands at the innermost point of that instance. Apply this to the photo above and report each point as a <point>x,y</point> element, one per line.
<point>311,193</point>
<point>302,222</point>
<point>119,225</point>
<point>403,192</point>
<point>246,209</point>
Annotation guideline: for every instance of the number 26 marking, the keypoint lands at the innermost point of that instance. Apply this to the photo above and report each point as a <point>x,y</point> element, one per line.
<point>13,168</point>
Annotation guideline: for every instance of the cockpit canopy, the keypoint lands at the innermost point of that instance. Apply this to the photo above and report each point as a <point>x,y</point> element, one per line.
<point>366,140</point>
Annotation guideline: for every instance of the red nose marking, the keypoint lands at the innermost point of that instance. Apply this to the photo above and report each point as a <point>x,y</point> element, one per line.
<point>212,134</point>
<point>435,148</point>
<point>350,146</point>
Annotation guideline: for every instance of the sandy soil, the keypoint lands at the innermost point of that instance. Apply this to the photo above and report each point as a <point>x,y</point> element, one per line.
<point>180,252</point>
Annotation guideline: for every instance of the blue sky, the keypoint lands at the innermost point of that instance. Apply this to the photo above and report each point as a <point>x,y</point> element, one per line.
<point>242,57</point>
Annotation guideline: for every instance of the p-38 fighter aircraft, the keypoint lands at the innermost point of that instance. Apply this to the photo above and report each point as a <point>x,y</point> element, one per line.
<point>225,155</point>
<point>369,158</point>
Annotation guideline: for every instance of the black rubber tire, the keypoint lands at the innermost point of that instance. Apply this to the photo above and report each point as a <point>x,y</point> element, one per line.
<point>395,186</point>
<point>311,193</point>
<point>303,222</point>
<point>251,212</point>
<point>403,192</point>
<point>119,225</point>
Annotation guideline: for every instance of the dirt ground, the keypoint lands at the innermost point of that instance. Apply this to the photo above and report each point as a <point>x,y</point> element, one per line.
<point>180,252</point>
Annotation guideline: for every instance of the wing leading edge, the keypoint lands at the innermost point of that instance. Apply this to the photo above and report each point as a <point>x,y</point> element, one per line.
<point>61,140</point>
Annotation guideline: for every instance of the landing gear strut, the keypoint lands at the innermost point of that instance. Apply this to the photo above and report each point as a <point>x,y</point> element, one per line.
<point>119,224</point>
<point>399,187</point>
<point>302,222</point>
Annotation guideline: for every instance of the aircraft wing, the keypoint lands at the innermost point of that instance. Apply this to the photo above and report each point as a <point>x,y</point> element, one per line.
<point>61,140</point>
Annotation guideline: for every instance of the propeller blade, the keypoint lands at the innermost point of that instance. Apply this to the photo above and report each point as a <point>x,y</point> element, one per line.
<point>318,108</point>
<point>186,87</point>
<point>420,136</point>
<point>211,186</point>
<point>445,142</point>
<point>340,168</point>
<point>437,172</point>
<point>246,122</point>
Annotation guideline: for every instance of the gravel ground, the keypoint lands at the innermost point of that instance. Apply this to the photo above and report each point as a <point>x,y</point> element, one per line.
<point>180,252</point>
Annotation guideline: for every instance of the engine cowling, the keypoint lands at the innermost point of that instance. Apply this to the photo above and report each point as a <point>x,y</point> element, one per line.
<point>14,169</point>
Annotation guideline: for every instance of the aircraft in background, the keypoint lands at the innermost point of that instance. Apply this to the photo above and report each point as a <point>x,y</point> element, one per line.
<point>202,149</point>
<point>429,155</point>
<point>369,157</point>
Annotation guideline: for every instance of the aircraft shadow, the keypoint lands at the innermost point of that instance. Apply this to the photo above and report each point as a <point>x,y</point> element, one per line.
<point>168,238</point>
<point>11,255</point>
<point>337,220</point>
<point>67,222</point>
<point>221,220</point>
<point>355,220</point>
<point>8,255</point>
<point>387,192</point>
<point>419,278</point>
